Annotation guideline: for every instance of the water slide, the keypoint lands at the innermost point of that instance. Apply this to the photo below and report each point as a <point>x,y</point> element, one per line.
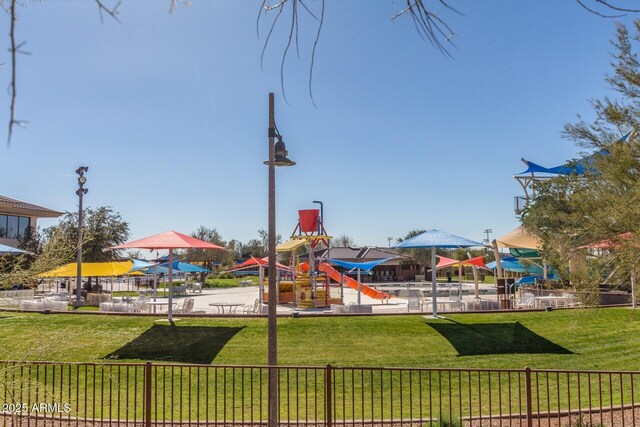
<point>352,283</point>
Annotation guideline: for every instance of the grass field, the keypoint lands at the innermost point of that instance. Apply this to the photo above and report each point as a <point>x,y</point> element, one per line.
<point>594,339</point>
<point>569,339</point>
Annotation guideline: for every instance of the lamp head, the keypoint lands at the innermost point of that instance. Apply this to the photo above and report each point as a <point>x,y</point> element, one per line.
<point>281,153</point>
<point>82,180</point>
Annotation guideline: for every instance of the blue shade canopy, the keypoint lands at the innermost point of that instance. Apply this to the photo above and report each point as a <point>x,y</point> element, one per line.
<point>578,167</point>
<point>185,267</point>
<point>515,266</point>
<point>140,265</point>
<point>10,250</point>
<point>178,267</point>
<point>438,239</point>
<point>366,266</point>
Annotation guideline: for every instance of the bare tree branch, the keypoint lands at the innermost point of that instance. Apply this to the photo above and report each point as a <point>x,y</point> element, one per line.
<point>313,53</point>
<point>595,12</point>
<point>112,12</point>
<point>12,88</point>
<point>619,9</point>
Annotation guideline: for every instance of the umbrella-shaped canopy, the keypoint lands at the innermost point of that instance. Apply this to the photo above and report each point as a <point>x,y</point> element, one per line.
<point>10,250</point>
<point>169,240</point>
<point>436,239</point>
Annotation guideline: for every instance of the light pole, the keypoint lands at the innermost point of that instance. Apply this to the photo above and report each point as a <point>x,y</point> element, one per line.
<point>389,239</point>
<point>488,231</point>
<point>277,157</point>
<point>81,191</point>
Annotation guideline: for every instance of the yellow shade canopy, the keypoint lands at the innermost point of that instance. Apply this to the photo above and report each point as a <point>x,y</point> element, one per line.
<point>290,245</point>
<point>519,238</point>
<point>92,269</point>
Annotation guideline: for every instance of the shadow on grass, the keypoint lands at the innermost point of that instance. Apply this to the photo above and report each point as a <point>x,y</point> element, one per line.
<point>476,339</point>
<point>187,344</point>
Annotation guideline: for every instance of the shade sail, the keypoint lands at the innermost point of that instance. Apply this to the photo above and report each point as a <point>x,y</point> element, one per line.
<point>438,239</point>
<point>519,238</point>
<point>10,250</point>
<point>140,265</point>
<point>185,267</point>
<point>168,240</point>
<point>257,262</point>
<point>450,262</point>
<point>366,266</point>
<point>515,266</point>
<point>91,269</point>
<point>290,245</point>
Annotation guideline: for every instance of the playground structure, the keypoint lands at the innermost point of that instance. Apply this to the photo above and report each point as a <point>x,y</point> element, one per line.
<point>310,284</point>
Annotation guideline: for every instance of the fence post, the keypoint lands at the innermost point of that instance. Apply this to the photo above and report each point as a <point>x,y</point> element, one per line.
<point>328,373</point>
<point>147,394</point>
<point>527,385</point>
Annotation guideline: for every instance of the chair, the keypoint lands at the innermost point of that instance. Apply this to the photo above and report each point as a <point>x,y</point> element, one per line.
<point>186,307</point>
<point>252,309</point>
<point>528,301</point>
<point>196,287</point>
<point>140,305</point>
<point>572,301</point>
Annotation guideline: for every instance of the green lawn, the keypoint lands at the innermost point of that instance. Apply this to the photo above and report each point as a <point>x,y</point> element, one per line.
<point>594,339</point>
<point>570,339</point>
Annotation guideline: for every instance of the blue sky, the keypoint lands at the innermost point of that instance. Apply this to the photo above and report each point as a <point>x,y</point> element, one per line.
<point>169,111</point>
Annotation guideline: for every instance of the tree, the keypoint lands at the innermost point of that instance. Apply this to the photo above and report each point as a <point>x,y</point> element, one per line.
<point>344,241</point>
<point>570,212</point>
<point>102,229</point>
<point>258,247</point>
<point>209,257</point>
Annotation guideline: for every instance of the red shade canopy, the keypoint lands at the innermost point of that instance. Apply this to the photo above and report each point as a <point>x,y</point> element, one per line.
<point>253,261</point>
<point>446,262</point>
<point>168,240</point>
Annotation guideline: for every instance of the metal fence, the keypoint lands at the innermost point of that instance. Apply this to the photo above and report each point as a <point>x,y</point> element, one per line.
<point>85,394</point>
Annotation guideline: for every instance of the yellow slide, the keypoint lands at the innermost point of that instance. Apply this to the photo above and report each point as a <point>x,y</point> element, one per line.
<point>353,284</point>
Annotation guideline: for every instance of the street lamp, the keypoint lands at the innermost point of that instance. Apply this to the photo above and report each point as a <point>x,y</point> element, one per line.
<point>389,239</point>
<point>277,157</point>
<point>81,191</point>
<point>488,231</point>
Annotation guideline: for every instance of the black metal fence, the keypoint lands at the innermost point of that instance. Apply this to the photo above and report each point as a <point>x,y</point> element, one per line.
<point>84,394</point>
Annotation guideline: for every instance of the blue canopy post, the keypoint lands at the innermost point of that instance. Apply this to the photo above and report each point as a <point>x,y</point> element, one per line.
<point>436,239</point>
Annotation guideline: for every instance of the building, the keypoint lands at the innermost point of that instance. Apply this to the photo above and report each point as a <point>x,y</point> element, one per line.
<point>17,217</point>
<point>400,268</point>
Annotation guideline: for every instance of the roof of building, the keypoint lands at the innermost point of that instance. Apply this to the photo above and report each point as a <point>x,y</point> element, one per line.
<point>15,205</point>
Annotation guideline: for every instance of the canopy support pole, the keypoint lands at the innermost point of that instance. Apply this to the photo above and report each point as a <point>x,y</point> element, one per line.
<point>261,285</point>
<point>475,278</point>
<point>499,271</point>
<point>170,308</point>
<point>460,270</point>
<point>434,283</point>
<point>359,284</point>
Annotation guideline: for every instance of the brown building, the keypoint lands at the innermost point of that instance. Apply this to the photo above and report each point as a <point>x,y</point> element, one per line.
<point>400,268</point>
<point>16,217</point>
